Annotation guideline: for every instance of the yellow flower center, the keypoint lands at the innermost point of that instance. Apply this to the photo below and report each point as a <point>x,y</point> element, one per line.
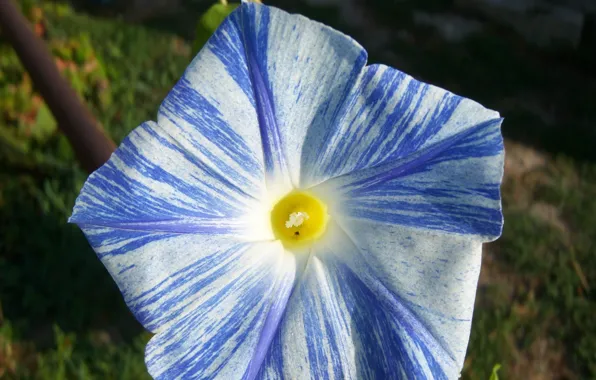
<point>298,219</point>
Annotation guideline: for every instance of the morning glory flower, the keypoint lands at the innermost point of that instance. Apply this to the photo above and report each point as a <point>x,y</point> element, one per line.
<point>294,213</point>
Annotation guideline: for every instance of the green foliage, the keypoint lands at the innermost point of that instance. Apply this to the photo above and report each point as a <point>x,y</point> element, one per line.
<point>70,360</point>
<point>495,375</point>
<point>209,22</point>
<point>542,296</point>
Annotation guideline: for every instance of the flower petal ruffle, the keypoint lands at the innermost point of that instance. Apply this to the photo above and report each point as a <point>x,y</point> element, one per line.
<point>387,116</point>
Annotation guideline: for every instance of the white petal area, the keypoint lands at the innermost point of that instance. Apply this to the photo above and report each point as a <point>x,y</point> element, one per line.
<point>434,274</point>
<point>388,116</point>
<point>307,69</point>
<point>341,322</point>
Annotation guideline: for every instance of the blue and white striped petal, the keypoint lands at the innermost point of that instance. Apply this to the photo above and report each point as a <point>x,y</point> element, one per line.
<point>156,182</point>
<point>212,300</point>
<point>433,274</point>
<point>232,304</point>
<point>451,185</point>
<point>387,116</point>
<point>153,211</point>
<point>341,322</point>
<point>211,112</point>
<point>301,72</point>
<point>263,83</point>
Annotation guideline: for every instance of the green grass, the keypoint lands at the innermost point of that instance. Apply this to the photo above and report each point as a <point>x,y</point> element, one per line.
<point>61,316</point>
<point>543,270</point>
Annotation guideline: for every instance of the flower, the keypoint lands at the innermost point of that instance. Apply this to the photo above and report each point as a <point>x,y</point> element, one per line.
<point>294,213</point>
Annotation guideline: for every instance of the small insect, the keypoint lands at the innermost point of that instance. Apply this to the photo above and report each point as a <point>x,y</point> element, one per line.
<point>297,233</point>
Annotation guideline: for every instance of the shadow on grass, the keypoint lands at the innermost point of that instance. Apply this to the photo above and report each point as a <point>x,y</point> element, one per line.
<point>50,275</point>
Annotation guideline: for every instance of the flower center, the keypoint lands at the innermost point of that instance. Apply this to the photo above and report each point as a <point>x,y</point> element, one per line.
<point>298,219</point>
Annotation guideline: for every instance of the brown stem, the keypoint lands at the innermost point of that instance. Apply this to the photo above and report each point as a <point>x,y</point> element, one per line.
<point>91,145</point>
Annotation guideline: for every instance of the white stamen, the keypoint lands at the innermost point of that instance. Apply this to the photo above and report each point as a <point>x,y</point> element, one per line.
<point>296,219</point>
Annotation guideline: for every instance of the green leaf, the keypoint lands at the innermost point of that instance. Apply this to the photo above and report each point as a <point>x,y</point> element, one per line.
<point>209,22</point>
<point>45,124</point>
<point>494,375</point>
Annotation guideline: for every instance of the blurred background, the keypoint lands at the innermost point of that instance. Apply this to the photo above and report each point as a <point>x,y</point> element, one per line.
<point>61,316</point>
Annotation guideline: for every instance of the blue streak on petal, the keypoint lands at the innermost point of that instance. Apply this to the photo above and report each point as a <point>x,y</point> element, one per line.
<point>426,216</point>
<point>386,326</point>
<point>126,269</point>
<point>195,362</point>
<point>111,186</point>
<point>133,158</point>
<point>193,279</point>
<point>119,242</point>
<point>401,191</point>
<point>273,364</point>
<point>255,26</point>
<point>215,332</point>
<point>410,164</point>
<point>388,116</point>
<point>323,133</point>
<point>344,325</point>
<point>274,316</point>
<point>111,196</point>
<point>424,270</point>
<point>319,337</point>
<point>173,226</point>
<point>224,168</point>
<point>393,342</point>
<point>395,136</point>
